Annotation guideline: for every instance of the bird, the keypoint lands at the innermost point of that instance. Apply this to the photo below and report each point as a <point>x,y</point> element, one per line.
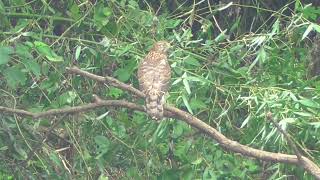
<point>154,74</point>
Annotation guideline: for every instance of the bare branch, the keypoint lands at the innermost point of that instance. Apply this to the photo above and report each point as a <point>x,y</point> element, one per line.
<point>170,111</point>
<point>108,80</point>
<point>213,133</point>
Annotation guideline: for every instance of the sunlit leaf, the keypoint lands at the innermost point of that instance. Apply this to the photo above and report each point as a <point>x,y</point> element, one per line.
<point>46,51</point>
<point>308,30</point>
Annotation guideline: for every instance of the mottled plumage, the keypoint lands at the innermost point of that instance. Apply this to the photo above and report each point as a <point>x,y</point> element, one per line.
<point>154,75</point>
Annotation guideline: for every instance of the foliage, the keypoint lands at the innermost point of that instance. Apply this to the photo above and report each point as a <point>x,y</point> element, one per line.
<point>229,79</point>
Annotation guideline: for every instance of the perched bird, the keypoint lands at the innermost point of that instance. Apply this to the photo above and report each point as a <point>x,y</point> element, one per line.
<point>154,75</point>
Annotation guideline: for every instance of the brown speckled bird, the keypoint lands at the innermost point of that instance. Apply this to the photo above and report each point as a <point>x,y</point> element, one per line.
<point>154,75</point>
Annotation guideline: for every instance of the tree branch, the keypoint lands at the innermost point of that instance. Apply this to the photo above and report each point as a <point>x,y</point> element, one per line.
<point>173,112</point>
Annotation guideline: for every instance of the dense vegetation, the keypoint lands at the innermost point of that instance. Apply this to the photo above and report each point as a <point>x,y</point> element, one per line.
<point>231,65</point>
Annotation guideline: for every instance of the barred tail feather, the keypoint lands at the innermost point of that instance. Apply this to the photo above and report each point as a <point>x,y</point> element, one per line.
<point>154,104</point>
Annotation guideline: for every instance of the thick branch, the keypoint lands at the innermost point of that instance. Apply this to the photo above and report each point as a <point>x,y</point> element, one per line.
<point>226,143</point>
<point>213,133</point>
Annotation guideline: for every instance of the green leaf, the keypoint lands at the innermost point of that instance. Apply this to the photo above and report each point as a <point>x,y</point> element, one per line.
<point>222,36</point>
<point>14,76</point>
<point>75,11</point>
<point>308,30</point>
<point>186,83</point>
<point>46,51</point>
<point>22,153</point>
<point>55,159</point>
<point>67,98</point>
<point>178,130</point>
<point>315,124</point>
<point>122,74</point>
<point>309,103</point>
<point>101,15</point>
<point>23,51</point>
<point>197,161</point>
<point>1,7</point>
<point>245,122</point>
<point>5,52</point>
<point>186,103</point>
<point>192,61</point>
<point>304,114</point>
<point>114,92</point>
<point>103,145</point>
<point>197,104</point>
<point>172,23</point>
<point>316,27</point>
<point>33,66</point>
<point>78,51</point>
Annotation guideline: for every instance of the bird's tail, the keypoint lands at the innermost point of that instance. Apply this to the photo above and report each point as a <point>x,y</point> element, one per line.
<point>154,104</point>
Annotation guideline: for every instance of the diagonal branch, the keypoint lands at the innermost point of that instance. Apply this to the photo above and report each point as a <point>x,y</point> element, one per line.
<point>213,133</point>
<point>173,112</point>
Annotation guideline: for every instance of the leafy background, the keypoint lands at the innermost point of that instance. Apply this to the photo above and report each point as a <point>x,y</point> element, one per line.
<point>229,77</point>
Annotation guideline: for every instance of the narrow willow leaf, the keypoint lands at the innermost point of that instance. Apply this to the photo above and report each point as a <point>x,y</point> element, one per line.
<point>186,83</point>
<point>308,30</point>
<point>78,51</point>
<point>186,103</point>
<point>245,122</point>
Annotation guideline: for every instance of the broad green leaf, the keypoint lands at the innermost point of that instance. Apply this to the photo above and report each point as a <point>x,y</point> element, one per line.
<point>122,74</point>
<point>5,52</point>
<point>32,66</point>
<point>23,51</point>
<point>192,61</point>
<point>75,11</point>
<point>101,15</point>
<point>14,76</point>
<point>103,145</point>
<point>46,51</point>
<point>114,92</point>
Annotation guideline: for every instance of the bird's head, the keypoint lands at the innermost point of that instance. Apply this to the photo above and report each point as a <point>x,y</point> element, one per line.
<point>161,46</point>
